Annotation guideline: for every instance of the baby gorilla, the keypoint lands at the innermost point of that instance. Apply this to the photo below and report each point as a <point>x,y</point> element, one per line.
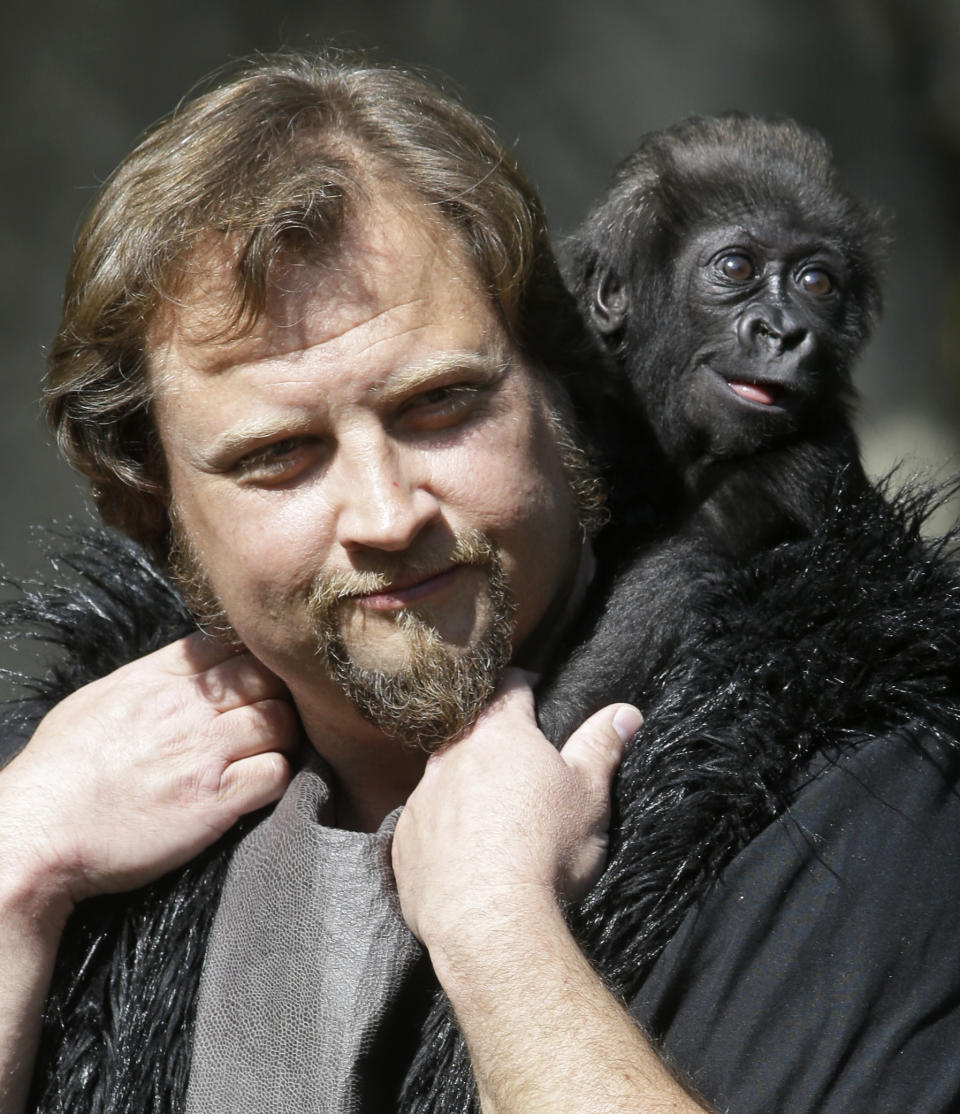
<point>732,281</point>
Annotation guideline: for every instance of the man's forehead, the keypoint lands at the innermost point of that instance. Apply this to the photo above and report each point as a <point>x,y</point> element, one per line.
<point>381,259</point>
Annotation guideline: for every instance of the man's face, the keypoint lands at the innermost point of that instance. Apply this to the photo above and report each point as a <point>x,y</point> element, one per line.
<point>368,465</point>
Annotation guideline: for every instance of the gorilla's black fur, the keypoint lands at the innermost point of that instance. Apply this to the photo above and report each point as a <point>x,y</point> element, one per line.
<point>731,281</point>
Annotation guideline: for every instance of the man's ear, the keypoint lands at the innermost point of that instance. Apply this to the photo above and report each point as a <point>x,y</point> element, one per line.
<point>608,308</point>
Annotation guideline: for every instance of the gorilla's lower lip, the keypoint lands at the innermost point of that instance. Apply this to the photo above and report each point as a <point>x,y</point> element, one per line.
<point>753,392</point>
<point>756,392</point>
<point>764,394</point>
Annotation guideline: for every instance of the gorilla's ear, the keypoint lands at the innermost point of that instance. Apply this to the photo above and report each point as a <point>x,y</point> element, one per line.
<point>608,308</point>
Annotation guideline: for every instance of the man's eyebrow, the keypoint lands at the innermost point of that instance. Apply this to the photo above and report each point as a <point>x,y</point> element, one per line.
<point>253,432</point>
<point>487,367</point>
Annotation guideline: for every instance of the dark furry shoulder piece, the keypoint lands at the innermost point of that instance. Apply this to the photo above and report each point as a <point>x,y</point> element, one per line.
<point>118,1019</point>
<point>813,649</point>
<point>105,605</point>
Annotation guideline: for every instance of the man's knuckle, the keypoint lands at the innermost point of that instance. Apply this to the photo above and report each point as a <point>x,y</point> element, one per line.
<point>276,768</point>
<point>203,782</point>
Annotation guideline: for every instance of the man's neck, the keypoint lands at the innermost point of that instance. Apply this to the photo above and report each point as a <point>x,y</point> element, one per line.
<point>366,793</point>
<point>372,774</point>
<point>537,651</point>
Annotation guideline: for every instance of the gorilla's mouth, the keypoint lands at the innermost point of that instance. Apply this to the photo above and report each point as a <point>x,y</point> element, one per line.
<point>761,393</point>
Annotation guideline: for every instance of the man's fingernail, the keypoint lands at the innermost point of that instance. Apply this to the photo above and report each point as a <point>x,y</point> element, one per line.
<point>626,722</point>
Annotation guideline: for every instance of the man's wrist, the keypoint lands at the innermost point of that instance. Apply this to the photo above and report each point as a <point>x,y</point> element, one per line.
<point>495,941</point>
<point>33,885</point>
<point>36,918</point>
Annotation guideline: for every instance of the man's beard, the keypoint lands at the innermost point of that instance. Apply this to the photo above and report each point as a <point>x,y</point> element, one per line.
<point>437,691</point>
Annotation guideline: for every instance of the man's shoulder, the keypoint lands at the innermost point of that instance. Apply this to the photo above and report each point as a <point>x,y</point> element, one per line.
<point>855,626</point>
<point>100,603</point>
<point>821,972</point>
<point>809,654</point>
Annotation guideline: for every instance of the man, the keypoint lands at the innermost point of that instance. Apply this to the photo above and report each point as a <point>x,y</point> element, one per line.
<point>369,460</point>
<point>312,355</point>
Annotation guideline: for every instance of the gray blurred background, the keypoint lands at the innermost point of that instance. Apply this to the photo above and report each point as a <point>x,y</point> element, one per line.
<point>570,85</point>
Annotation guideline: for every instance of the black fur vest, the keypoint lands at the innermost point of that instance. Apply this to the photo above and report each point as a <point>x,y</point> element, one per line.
<point>813,648</point>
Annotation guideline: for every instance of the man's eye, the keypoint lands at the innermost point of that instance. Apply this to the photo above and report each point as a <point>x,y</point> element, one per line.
<point>273,461</point>
<point>458,392</point>
<point>442,405</point>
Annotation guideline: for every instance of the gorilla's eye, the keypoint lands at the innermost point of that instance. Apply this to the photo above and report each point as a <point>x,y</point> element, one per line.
<point>736,267</point>
<point>815,281</point>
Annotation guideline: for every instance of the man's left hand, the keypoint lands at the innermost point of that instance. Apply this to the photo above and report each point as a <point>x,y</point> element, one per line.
<point>501,829</point>
<point>501,820</point>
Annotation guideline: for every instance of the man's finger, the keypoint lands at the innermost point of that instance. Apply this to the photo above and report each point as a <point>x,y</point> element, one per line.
<point>237,682</point>
<point>256,728</point>
<point>596,747</point>
<point>196,653</point>
<point>254,782</point>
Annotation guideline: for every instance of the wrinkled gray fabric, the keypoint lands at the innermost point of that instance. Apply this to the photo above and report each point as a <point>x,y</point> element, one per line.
<point>307,955</point>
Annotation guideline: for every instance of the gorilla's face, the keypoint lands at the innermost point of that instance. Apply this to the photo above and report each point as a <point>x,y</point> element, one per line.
<point>765,300</point>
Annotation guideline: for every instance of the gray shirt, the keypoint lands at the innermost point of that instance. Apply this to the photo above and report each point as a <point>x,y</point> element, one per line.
<point>307,959</point>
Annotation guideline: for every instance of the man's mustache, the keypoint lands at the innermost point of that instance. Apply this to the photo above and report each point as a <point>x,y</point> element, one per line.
<point>472,548</point>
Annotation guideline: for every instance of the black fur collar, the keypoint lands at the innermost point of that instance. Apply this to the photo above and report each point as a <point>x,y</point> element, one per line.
<point>812,649</point>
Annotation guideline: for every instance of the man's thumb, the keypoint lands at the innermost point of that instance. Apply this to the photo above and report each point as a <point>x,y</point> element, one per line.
<point>596,747</point>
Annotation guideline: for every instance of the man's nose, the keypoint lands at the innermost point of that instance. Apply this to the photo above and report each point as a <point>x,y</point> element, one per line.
<point>382,502</point>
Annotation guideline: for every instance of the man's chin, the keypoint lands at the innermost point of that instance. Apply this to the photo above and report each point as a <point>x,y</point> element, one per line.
<point>427,704</point>
<point>408,680</point>
<point>396,642</point>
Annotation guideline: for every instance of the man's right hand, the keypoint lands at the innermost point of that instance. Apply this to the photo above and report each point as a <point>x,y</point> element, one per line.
<point>139,771</point>
<point>126,779</point>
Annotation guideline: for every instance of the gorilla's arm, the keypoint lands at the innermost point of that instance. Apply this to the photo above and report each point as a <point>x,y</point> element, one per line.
<point>657,601</point>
